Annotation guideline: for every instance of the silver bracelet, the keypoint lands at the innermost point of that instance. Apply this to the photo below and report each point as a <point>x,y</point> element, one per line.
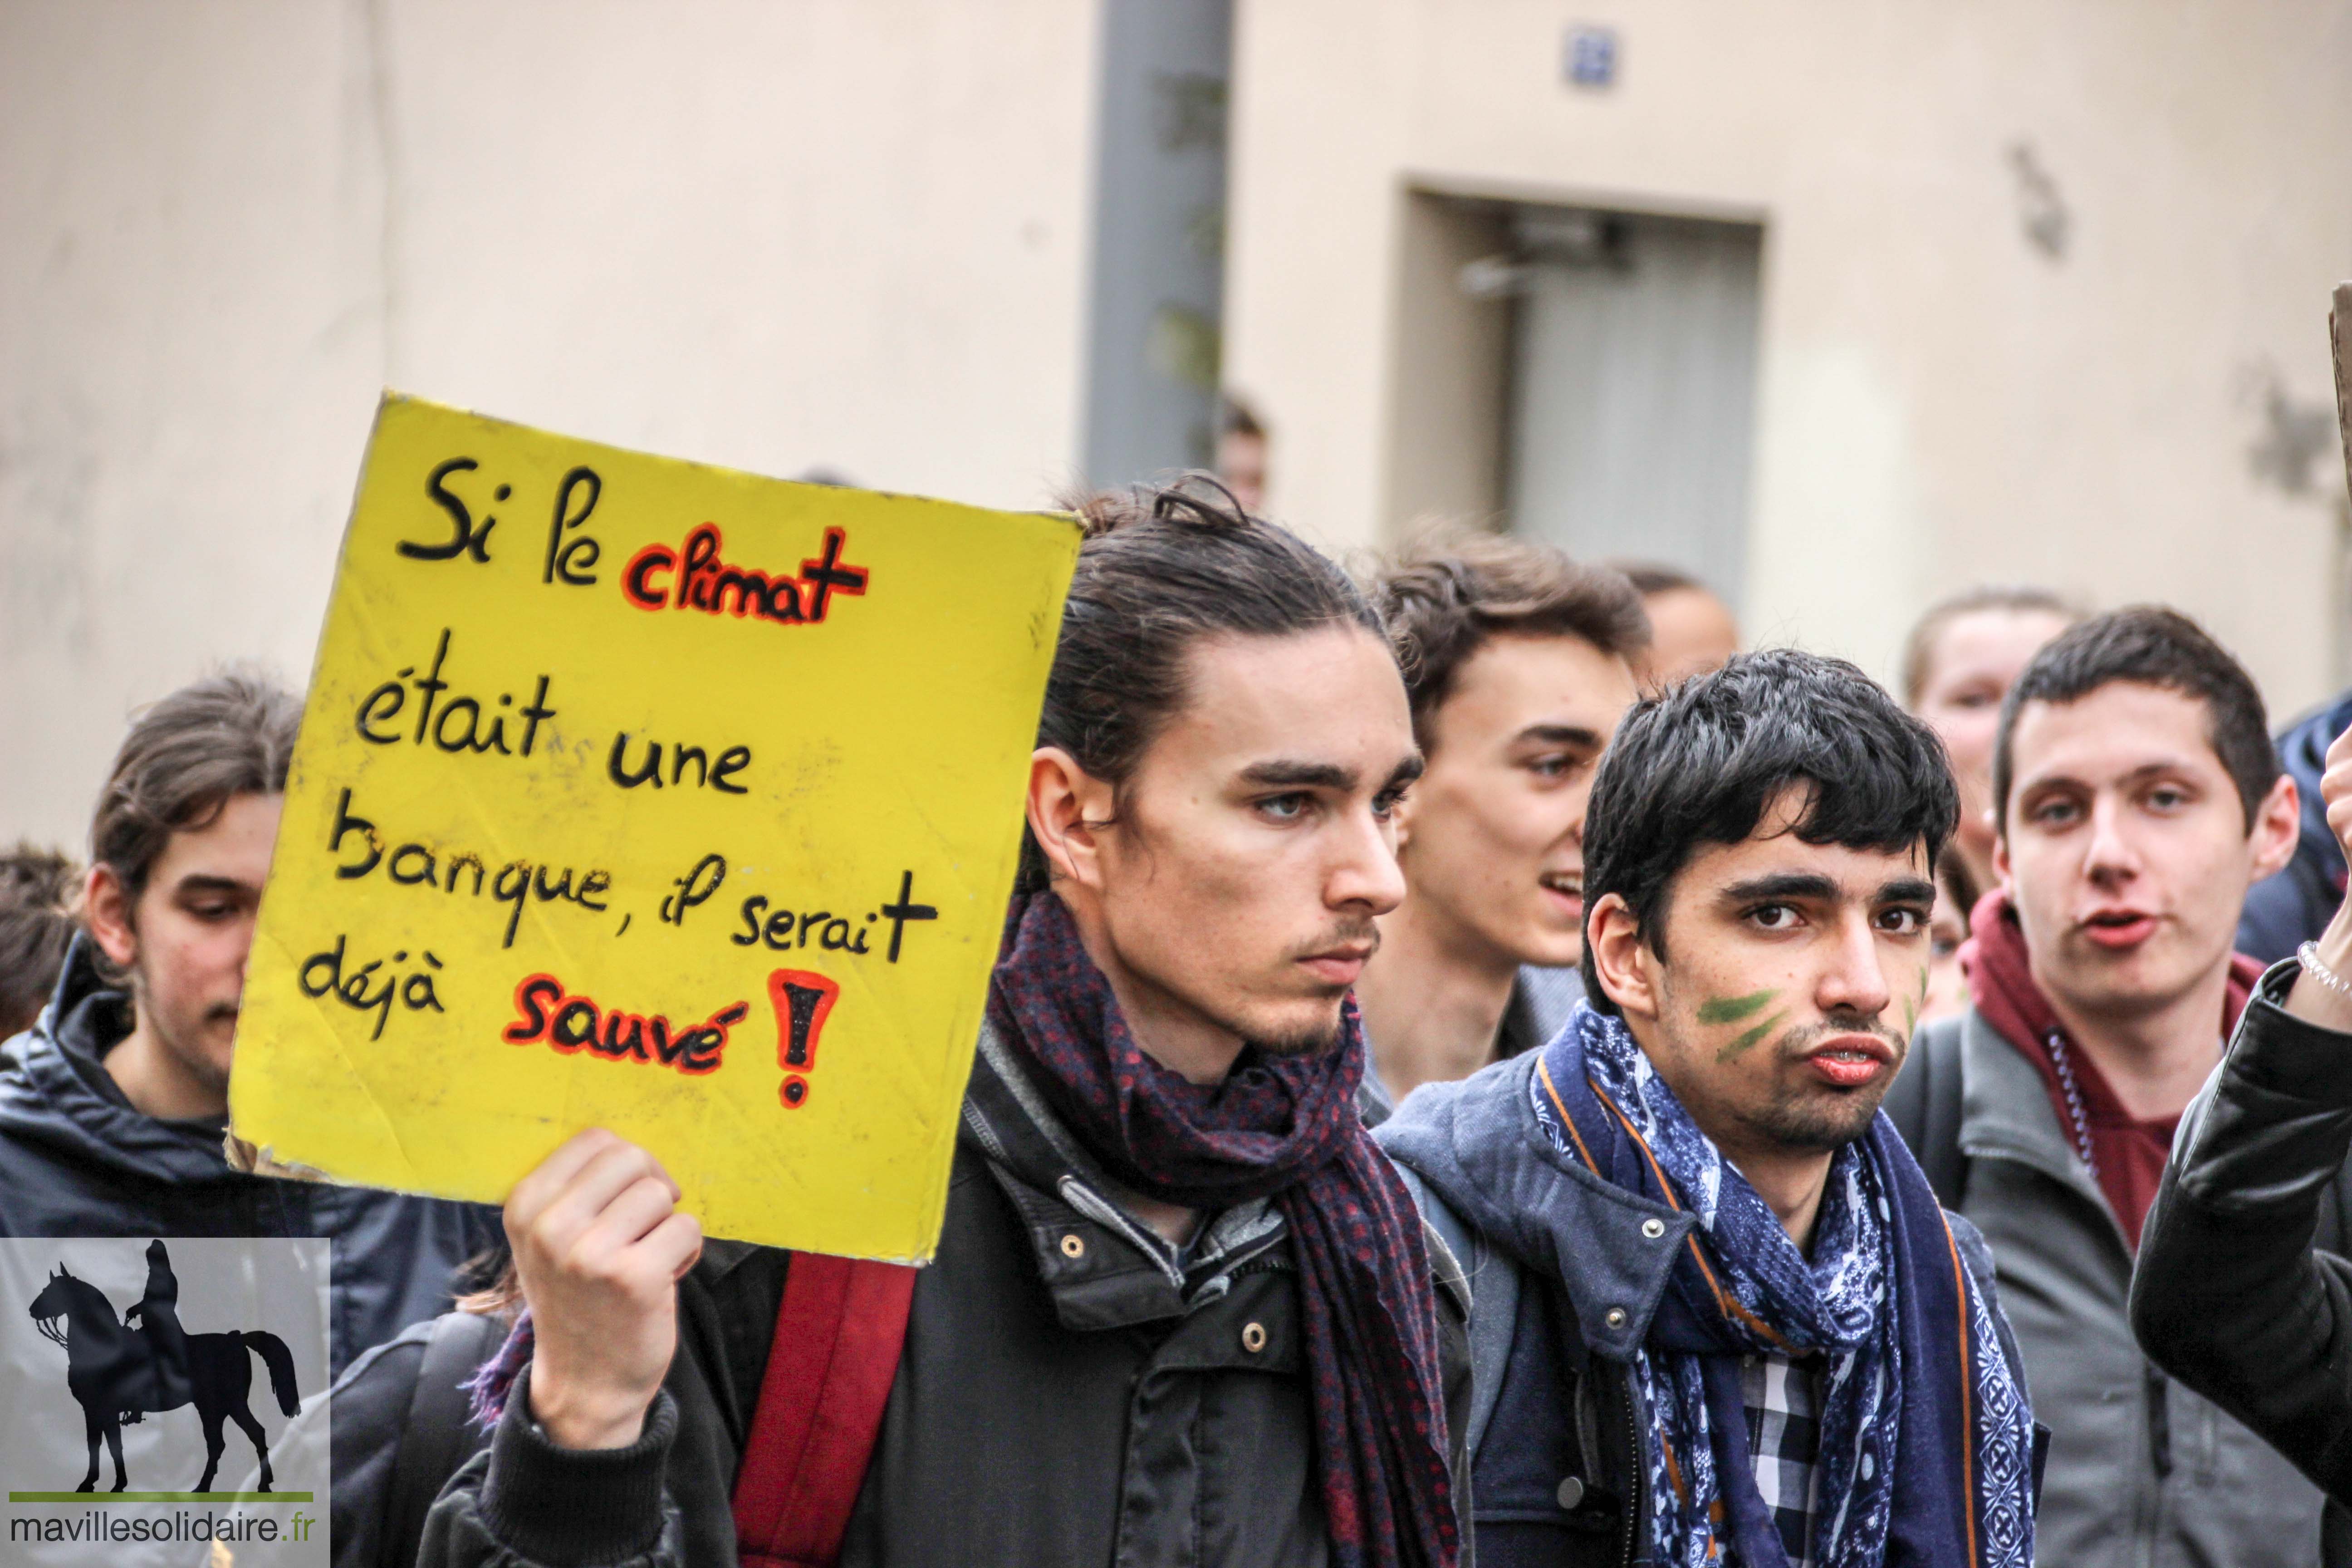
<point>2308,956</point>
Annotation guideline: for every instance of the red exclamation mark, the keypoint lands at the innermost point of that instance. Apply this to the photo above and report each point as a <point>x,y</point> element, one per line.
<point>803,1001</point>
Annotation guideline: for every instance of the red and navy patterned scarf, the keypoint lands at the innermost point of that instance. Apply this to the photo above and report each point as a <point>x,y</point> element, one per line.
<point>1283,1126</point>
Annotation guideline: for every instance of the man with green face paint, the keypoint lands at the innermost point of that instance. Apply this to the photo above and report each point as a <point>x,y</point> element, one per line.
<point>1717,1310</point>
<point>1737,1010</point>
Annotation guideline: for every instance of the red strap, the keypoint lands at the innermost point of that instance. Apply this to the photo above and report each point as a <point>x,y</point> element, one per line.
<point>830,1368</point>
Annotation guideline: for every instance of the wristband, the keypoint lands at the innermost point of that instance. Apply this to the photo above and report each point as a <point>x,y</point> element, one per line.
<point>2308,956</point>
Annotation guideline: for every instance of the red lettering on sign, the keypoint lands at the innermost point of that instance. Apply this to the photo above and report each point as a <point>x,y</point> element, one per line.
<point>697,576</point>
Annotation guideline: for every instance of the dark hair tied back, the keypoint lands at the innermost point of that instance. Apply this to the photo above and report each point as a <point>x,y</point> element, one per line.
<point>1164,567</point>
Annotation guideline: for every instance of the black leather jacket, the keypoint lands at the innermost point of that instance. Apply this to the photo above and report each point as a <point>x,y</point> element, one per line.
<point>2231,1296</point>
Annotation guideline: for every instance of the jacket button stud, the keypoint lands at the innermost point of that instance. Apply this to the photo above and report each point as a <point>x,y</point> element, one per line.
<point>1615,1318</point>
<point>1654,1227</point>
<point>1253,1336</point>
<point>1074,1246</point>
<point>1571,1493</point>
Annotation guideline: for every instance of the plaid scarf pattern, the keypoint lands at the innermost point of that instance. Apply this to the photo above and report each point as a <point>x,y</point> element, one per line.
<point>1925,1444</point>
<point>1283,1126</point>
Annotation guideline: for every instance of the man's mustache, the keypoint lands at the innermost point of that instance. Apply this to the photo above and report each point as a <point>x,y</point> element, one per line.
<point>1797,1041</point>
<point>1353,933</point>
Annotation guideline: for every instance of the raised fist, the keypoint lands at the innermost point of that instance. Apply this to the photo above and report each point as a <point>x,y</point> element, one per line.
<point>2336,789</point>
<point>601,1246</point>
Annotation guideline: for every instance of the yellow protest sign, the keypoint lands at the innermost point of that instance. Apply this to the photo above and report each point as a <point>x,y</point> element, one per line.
<point>635,794</point>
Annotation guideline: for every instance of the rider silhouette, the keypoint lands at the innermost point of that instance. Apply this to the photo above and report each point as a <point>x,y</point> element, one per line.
<point>167,1343</point>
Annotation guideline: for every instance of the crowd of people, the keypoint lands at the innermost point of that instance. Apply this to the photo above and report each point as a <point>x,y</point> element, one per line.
<point>1478,1069</point>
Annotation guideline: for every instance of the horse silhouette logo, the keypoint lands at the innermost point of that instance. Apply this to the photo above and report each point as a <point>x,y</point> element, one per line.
<point>118,1372</point>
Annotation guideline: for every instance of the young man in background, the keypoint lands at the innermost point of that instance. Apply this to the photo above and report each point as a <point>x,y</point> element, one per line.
<point>114,1111</point>
<point>1691,630</point>
<point>36,928</point>
<point>2137,799</point>
<point>1515,662</point>
<point>1959,663</point>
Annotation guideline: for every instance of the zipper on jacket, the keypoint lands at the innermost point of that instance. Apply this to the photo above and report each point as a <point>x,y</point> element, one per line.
<point>1109,1216</point>
<point>2159,1424</point>
<point>1637,1494</point>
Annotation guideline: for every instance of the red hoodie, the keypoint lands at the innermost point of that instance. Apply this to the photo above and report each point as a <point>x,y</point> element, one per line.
<point>2127,1153</point>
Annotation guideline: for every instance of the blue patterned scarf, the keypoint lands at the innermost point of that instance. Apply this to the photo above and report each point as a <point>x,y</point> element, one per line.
<point>1926,1438</point>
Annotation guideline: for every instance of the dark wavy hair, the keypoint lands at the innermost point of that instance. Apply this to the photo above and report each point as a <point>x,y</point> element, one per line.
<point>1451,594</point>
<point>186,758</point>
<point>39,888</point>
<point>1163,567</point>
<point>1701,764</point>
<point>2150,645</point>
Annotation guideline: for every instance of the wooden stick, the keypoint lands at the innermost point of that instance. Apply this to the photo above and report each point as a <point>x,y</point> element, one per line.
<point>2339,338</point>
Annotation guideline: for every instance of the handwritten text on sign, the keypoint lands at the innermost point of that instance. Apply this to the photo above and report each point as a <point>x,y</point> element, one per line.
<point>640,795</point>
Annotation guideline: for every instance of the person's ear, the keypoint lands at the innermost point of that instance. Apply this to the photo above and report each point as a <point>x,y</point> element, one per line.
<point>1068,809</point>
<point>1622,960</point>
<point>106,914</point>
<point>2278,822</point>
<point>2001,862</point>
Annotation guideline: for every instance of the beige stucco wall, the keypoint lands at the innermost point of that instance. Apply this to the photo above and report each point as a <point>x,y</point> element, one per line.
<point>782,233</point>
<point>766,232</point>
<point>1940,403</point>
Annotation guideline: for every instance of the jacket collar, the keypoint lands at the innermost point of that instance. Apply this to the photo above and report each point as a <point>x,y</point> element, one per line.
<point>83,989</point>
<point>56,1092</point>
<point>1478,1144</point>
<point>1103,1267</point>
<point>2005,1111</point>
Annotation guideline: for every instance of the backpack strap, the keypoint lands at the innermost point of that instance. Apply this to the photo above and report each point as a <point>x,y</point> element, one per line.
<point>1924,1105</point>
<point>830,1368</point>
<point>439,1433</point>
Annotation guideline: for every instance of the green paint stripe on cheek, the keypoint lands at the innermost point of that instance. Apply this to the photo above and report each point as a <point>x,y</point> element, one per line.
<point>1751,1037</point>
<point>1732,1009</point>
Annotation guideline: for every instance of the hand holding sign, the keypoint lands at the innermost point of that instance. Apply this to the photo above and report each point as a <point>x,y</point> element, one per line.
<point>642,795</point>
<point>600,1246</point>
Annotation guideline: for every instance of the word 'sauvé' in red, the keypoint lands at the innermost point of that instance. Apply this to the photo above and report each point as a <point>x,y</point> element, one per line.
<point>545,1011</point>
